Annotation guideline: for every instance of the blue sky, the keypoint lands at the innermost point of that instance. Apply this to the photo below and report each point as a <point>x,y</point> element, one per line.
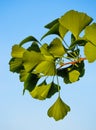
<point>21,18</point>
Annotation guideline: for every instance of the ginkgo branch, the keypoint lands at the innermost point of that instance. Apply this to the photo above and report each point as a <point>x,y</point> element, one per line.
<point>73,62</point>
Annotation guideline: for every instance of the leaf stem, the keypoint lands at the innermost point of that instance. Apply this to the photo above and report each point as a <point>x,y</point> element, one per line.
<point>73,62</point>
<point>58,87</point>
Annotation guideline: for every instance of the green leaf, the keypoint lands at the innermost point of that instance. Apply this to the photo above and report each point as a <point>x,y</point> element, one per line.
<point>30,82</point>
<point>62,31</point>
<point>17,51</point>
<point>46,67</point>
<point>74,75</point>
<point>23,75</point>
<point>28,39</point>
<point>75,21</point>
<point>34,47</point>
<point>31,59</point>
<point>53,90</point>
<point>58,110</point>
<point>40,92</point>
<point>53,30</point>
<point>51,24</point>
<point>90,32</point>
<point>90,47</point>
<point>44,49</point>
<point>56,48</point>
<point>15,64</point>
<point>90,52</point>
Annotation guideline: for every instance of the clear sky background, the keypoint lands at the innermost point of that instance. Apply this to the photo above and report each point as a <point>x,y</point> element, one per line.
<point>19,19</point>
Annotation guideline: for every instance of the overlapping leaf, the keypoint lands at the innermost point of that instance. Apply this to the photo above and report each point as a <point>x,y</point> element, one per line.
<point>75,21</point>
<point>56,48</point>
<point>31,59</point>
<point>30,82</point>
<point>40,92</point>
<point>46,67</point>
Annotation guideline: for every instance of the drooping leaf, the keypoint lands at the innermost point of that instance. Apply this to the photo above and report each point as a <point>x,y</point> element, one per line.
<point>40,92</point>
<point>31,59</point>
<point>58,110</point>
<point>30,82</point>
<point>46,67</point>
<point>56,48</point>
<point>74,75</point>
<point>15,65</point>
<point>75,21</point>
<point>90,52</point>
<point>17,51</point>
<point>28,39</point>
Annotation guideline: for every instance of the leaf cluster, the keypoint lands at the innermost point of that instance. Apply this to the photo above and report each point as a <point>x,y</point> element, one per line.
<point>38,62</point>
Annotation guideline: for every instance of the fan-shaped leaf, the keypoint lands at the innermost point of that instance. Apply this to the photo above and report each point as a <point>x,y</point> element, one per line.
<point>58,110</point>
<point>56,48</point>
<point>75,21</point>
<point>90,52</point>
<point>90,32</point>
<point>46,67</point>
<point>74,75</point>
<point>31,59</point>
<point>40,92</point>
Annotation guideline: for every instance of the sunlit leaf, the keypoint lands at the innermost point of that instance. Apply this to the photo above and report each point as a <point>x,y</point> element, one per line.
<point>46,67</point>
<point>90,52</point>
<point>56,48</point>
<point>58,110</point>
<point>31,59</point>
<point>28,39</point>
<point>74,75</point>
<point>90,32</point>
<point>75,21</point>
<point>17,51</point>
<point>40,92</point>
